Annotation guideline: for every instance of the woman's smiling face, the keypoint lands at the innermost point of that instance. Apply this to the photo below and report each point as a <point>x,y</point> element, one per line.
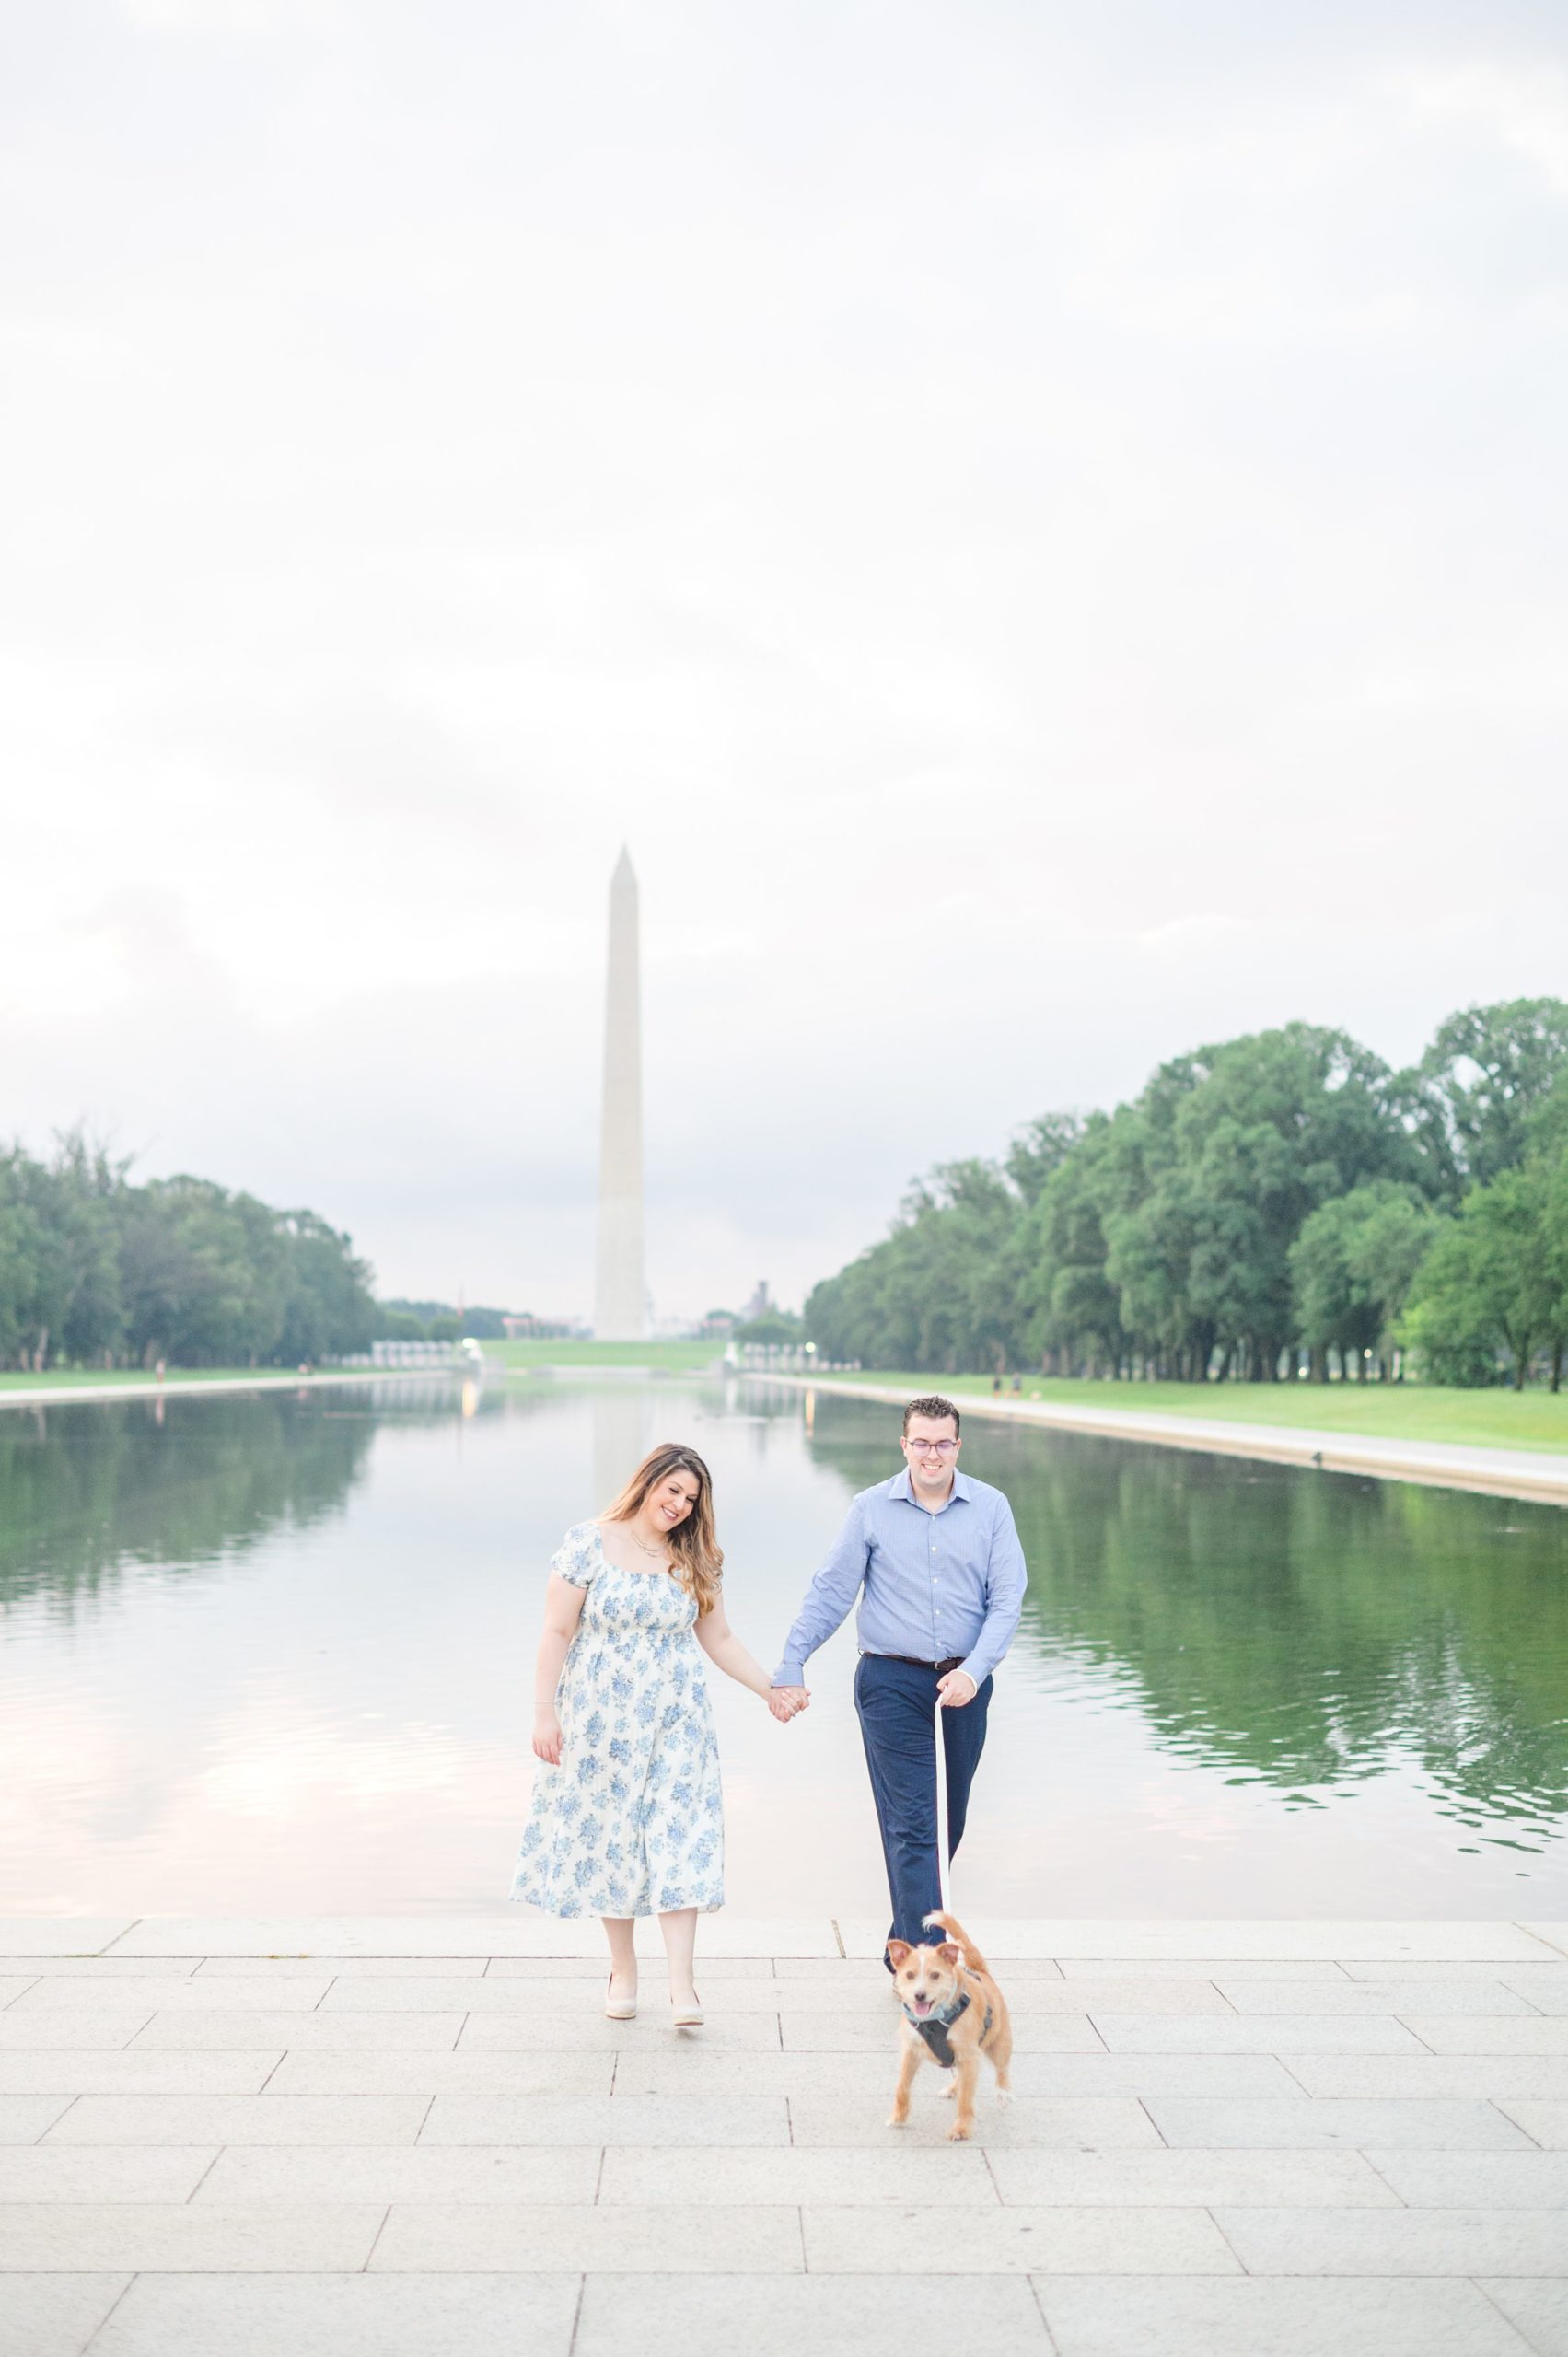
<point>671,1501</point>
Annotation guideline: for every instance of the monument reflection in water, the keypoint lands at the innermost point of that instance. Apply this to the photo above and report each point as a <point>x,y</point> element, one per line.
<point>275,1655</point>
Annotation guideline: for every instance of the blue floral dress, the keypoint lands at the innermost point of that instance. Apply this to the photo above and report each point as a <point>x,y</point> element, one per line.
<point>631,1821</point>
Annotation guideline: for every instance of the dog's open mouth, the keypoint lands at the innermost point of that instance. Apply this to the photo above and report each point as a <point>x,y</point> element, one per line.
<point>921,2005</point>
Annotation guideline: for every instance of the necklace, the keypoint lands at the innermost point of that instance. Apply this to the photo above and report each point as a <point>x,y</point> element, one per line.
<point>657,1554</point>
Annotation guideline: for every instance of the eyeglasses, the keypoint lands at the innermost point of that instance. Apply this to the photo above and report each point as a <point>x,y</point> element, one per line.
<point>932,1447</point>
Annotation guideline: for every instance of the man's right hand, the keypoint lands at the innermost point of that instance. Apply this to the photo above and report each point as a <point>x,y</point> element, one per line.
<point>785,1701</point>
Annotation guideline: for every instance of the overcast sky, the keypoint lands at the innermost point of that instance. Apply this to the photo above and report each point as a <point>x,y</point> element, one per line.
<point>1042,527</point>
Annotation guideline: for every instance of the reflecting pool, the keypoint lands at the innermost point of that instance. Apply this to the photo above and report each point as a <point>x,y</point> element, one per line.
<point>274,1653</point>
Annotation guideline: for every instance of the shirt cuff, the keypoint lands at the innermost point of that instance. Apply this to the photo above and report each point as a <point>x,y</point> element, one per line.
<point>790,1673</point>
<point>977,1669</point>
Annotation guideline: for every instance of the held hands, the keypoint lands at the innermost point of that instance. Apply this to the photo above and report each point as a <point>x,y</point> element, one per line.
<point>547,1738</point>
<point>957,1688</point>
<point>785,1701</point>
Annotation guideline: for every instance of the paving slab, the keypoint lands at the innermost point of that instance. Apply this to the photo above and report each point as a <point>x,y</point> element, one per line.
<point>1133,1992</point>
<point>792,2174</point>
<point>1480,1997</point>
<point>510,1931</point>
<point>311,2315</point>
<point>588,1974</point>
<point>1545,1986</point>
<point>190,2029</point>
<point>1256,2034</point>
<point>1395,2242</point>
<point>241,2119</point>
<point>806,2316</point>
<point>433,2236</point>
<point>59,1993</point>
<point>1448,2034</point>
<point>1287,2179</point>
<point>23,2118</point>
<point>92,2033</point>
<point>540,2072</point>
<point>671,2070</point>
<point>1554,1934</point>
<point>1545,2122</point>
<point>1490,2075</point>
<point>1408,2126</point>
<point>103,2172</point>
<point>1019,2242</point>
<point>835,2034</point>
<point>1539,2311</point>
<point>101,1968</point>
<point>1070,2123</point>
<point>618,2119</point>
<point>1478,2181</point>
<point>589,2033</point>
<point>238,2072</point>
<point>389,2173</point>
<point>99,2237</point>
<point>64,1935</point>
<point>1159,1939</point>
<point>364,1967</point>
<point>1175,1968</point>
<point>11,1985</point>
<point>1175,2317</point>
<point>53,2315</point>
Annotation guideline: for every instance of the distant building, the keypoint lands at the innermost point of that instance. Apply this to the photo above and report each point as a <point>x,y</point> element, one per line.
<point>522,1325</point>
<point>761,1303</point>
<point>719,1324</point>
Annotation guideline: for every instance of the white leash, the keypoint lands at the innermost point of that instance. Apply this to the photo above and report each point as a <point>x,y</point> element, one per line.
<point>944,1864</point>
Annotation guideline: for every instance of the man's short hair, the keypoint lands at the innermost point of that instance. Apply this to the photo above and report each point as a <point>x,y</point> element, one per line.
<point>934,1406</point>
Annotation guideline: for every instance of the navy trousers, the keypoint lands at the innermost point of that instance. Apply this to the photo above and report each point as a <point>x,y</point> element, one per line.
<point>896,1704</point>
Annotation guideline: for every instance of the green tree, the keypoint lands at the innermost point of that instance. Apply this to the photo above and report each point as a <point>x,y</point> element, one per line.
<point>1486,1286</point>
<point>1480,1086</point>
<point>1352,1269</point>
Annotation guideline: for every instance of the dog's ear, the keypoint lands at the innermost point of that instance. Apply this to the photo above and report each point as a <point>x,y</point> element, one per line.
<point>950,1954</point>
<point>897,1951</point>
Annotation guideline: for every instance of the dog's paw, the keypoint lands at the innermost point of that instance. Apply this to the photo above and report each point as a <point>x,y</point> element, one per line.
<point>1004,2097</point>
<point>959,2133</point>
<point>898,2120</point>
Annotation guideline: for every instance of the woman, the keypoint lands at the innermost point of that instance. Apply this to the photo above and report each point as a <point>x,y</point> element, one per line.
<point>627,1817</point>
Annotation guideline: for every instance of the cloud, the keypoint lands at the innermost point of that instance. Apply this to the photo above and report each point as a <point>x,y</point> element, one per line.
<point>1039,532</point>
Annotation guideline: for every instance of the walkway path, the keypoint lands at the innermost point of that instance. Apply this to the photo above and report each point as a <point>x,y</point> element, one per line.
<point>179,1386</point>
<point>360,2137</point>
<point>1503,1472</point>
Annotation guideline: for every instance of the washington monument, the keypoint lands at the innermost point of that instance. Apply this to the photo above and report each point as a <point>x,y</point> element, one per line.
<point>620,1288</point>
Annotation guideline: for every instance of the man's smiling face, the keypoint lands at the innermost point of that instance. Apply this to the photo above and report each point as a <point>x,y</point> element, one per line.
<point>931,1450</point>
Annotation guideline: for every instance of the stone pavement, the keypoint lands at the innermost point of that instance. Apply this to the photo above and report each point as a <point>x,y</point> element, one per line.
<point>372,2138</point>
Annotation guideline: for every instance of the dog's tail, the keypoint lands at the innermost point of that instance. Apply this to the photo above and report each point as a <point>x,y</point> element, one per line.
<point>955,1931</point>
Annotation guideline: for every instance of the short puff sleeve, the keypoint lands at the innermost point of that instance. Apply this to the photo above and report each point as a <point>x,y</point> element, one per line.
<point>577,1557</point>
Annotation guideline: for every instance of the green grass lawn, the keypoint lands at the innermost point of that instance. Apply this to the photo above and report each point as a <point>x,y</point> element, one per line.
<point>1532,1419</point>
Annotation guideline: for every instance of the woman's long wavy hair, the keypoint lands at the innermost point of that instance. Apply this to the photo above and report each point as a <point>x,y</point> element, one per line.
<point>699,1558</point>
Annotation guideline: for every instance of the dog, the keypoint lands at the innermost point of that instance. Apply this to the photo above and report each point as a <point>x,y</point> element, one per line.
<point>954,2013</point>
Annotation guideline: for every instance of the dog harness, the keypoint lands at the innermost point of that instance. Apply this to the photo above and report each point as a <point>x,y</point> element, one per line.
<point>934,2027</point>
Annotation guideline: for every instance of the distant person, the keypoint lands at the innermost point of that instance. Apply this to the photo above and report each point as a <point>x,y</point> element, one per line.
<point>627,1817</point>
<point>935,1560</point>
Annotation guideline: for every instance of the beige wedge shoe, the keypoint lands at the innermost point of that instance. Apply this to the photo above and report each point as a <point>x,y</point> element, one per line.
<point>618,2009</point>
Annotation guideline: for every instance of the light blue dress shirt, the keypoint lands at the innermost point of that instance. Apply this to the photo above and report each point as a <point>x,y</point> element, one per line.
<point>935,1585</point>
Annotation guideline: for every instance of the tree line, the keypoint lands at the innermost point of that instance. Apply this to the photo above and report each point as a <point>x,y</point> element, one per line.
<point>1276,1203</point>
<point>98,1272</point>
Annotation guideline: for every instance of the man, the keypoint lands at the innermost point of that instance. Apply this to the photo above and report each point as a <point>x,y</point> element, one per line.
<point>938,1558</point>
